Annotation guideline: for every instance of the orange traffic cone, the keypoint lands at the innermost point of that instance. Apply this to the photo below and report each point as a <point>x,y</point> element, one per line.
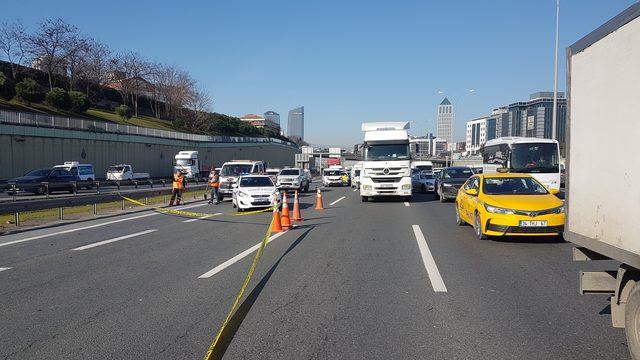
<point>276,226</point>
<point>285,219</point>
<point>319,200</point>
<point>296,209</point>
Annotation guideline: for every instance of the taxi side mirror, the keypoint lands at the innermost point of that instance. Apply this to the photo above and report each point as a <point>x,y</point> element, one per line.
<point>554,191</point>
<point>472,192</point>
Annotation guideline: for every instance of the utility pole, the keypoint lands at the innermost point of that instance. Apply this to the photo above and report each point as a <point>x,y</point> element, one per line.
<point>554,119</point>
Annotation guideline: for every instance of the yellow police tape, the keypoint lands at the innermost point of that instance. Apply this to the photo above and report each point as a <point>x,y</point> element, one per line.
<point>193,214</point>
<point>243,288</point>
<point>236,301</point>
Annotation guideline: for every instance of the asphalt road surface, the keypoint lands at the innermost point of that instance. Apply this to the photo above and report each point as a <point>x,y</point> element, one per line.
<point>380,280</point>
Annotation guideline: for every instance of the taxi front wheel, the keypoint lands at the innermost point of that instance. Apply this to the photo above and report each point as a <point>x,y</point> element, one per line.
<point>459,220</point>
<point>478,228</point>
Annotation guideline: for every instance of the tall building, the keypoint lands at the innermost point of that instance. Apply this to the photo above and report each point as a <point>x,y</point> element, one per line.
<point>498,123</point>
<point>533,118</point>
<point>445,121</point>
<point>295,125</point>
<point>476,134</point>
<point>272,116</point>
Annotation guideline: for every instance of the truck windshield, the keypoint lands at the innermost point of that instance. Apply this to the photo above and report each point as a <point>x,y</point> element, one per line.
<point>513,186</point>
<point>255,182</point>
<point>116,169</point>
<point>184,162</point>
<point>534,158</point>
<point>236,169</point>
<point>381,152</point>
<point>290,172</point>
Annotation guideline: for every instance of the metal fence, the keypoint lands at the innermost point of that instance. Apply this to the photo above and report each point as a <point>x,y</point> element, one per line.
<point>53,121</point>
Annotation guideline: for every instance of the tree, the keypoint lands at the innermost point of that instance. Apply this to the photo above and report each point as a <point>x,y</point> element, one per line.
<point>51,45</point>
<point>133,70</point>
<point>198,101</point>
<point>58,98</point>
<point>123,111</point>
<point>76,52</point>
<point>173,86</point>
<point>79,101</point>
<point>28,91</point>
<point>99,64</point>
<point>13,45</point>
<point>3,79</point>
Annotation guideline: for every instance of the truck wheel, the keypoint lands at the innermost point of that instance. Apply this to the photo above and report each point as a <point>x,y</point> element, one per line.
<point>406,198</point>
<point>632,322</point>
<point>365,198</point>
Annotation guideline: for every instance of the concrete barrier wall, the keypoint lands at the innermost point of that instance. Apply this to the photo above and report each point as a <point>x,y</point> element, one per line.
<point>24,148</point>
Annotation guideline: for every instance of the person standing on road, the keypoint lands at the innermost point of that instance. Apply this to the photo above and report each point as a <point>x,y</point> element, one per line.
<point>177,188</point>
<point>214,182</point>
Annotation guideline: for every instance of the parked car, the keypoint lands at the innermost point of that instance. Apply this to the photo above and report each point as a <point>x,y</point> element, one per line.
<point>34,181</point>
<point>450,180</point>
<point>254,191</point>
<point>501,204</point>
<point>423,181</point>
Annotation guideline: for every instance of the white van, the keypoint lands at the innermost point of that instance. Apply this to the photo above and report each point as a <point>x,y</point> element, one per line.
<point>232,170</point>
<point>83,171</point>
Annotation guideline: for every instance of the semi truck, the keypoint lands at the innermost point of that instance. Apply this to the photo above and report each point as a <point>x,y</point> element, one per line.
<point>386,166</point>
<point>187,163</point>
<point>603,209</point>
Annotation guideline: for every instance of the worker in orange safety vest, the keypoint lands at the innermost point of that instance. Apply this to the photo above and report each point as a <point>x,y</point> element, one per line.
<point>177,188</point>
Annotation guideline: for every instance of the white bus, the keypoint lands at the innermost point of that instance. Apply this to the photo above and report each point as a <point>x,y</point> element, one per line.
<point>538,157</point>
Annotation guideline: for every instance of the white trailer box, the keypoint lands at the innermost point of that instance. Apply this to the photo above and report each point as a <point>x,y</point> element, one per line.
<point>603,171</point>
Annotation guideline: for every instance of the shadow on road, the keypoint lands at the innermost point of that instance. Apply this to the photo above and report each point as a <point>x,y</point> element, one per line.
<point>530,239</point>
<point>238,317</point>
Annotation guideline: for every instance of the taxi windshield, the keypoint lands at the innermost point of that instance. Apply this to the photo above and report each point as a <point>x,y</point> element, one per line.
<point>513,186</point>
<point>255,182</point>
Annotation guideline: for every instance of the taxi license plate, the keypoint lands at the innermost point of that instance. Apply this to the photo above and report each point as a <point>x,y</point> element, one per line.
<point>386,185</point>
<point>533,223</point>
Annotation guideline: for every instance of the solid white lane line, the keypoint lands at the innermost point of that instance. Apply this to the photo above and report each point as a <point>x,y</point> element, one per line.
<point>89,246</point>
<point>4,268</point>
<point>429,263</point>
<point>238,257</point>
<point>91,226</point>
<point>202,217</point>
<point>406,204</point>
<point>335,202</point>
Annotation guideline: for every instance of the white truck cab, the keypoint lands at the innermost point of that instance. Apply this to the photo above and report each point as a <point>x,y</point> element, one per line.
<point>232,170</point>
<point>386,167</point>
<point>187,163</point>
<point>422,167</point>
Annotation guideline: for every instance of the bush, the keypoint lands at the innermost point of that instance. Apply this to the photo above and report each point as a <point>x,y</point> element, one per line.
<point>79,101</point>
<point>123,111</point>
<point>58,98</point>
<point>28,91</point>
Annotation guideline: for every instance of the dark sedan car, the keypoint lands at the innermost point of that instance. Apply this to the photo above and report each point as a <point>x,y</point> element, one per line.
<point>450,180</point>
<point>34,181</point>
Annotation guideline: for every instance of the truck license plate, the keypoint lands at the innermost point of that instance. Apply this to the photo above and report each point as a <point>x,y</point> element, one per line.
<point>386,185</point>
<point>533,223</point>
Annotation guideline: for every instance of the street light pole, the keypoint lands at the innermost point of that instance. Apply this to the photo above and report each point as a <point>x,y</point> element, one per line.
<point>554,118</point>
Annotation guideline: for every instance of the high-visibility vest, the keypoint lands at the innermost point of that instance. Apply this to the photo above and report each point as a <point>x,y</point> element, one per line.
<point>215,181</point>
<point>178,182</point>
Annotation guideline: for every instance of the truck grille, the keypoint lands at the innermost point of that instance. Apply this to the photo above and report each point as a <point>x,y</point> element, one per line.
<point>386,179</point>
<point>381,171</point>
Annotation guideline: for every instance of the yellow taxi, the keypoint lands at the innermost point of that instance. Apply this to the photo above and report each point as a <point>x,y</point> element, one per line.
<point>509,204</point>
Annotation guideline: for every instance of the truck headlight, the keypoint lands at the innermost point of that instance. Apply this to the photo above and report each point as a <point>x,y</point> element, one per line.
<point>447,185</point>
<point>366,187</point>
<point>406,186</point>
<point>498,210</point>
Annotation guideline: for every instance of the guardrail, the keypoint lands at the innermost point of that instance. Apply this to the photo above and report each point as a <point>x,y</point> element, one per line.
<point>54,121</point>
<point>17,207</point>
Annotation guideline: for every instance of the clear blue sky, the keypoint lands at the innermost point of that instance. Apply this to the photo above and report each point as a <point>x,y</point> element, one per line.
<point>345,61</point>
